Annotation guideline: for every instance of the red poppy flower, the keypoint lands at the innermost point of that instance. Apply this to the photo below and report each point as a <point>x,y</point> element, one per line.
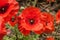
<point>50,38</point>
<point>48,20</point>
<point>7,7</point>
<point>30,19</point>
<point>58,17</point>
<point>2,28</point>
<point>13,20</point>
<point>10,9</point>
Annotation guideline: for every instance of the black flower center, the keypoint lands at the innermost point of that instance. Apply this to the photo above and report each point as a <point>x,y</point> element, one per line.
<point>13,19</point>
<point>4,8</point>
<point>31,21</point>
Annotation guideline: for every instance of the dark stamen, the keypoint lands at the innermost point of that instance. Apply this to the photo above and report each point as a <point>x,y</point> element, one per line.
<point>31,21</point>
<point>13,19</point>
<point>4,8</point>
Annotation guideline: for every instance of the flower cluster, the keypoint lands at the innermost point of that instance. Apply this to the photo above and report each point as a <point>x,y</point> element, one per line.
<point>8,9</point>
<point>30,20</point>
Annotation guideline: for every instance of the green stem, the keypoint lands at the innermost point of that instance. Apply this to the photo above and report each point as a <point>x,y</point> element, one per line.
<point>16,34</point>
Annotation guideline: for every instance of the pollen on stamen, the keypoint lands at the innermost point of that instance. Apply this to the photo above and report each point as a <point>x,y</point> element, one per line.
<point>31,21</point>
